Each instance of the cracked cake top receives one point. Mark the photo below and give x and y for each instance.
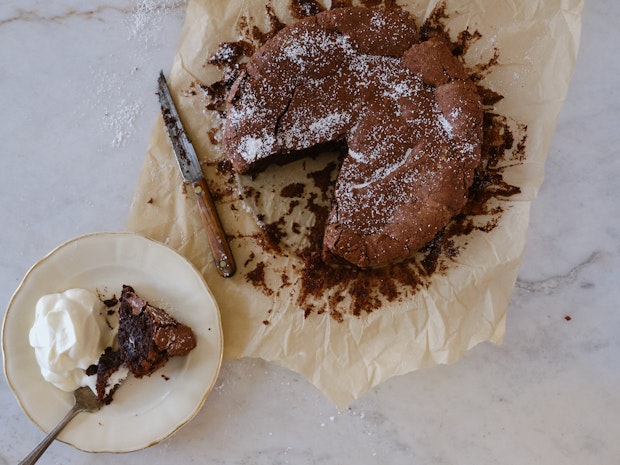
(410, 119)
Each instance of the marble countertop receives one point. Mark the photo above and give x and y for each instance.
(77, 105)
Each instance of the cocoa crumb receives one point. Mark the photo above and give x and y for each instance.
(257, 278)
(91, 370)
(230, 52)
(250, 258)
(293, 190)
(212, 134)
(303, 8)
(488, 96)
(111, 302)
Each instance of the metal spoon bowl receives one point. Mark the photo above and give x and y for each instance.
(85, 401)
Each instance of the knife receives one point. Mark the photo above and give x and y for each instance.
(192, 173)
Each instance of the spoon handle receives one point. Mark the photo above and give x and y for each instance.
(37, 452)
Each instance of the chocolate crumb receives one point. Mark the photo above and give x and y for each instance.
(231, 52)
(91, 370)
(111, 302)
(293, 190)
(303, 8)
(257, 278)
(250, 258)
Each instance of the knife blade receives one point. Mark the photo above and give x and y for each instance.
(192, 173)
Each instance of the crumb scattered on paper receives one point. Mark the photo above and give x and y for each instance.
(439, 322)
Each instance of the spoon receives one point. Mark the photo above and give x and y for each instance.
(85, 401)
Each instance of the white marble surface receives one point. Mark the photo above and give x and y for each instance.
(77, 105)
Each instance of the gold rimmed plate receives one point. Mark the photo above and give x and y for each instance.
(144, 411)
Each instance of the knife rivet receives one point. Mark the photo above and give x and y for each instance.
(198, 190)
(223, 264)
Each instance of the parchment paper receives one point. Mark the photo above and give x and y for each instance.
(538, 43)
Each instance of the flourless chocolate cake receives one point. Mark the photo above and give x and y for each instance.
(409, 115)
(148, 336)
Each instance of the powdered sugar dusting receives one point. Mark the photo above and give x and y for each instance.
(378, 20)
(309, 48)
(255, 148)
(380, 173)
(445, 124)
(321, 127)
(122, 121)
(148, 16)
(146, 28)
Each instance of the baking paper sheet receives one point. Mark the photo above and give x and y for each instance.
(537, 42)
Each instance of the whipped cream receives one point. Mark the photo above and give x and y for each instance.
(69, 334)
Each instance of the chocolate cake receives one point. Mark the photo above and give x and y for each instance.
(406, 110)
(148, 336)
(106, 370)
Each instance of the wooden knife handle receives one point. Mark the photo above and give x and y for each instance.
(222, 255)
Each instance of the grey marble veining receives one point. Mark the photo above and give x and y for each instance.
(77, 101)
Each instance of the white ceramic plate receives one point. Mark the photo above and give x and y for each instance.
(144, 411)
